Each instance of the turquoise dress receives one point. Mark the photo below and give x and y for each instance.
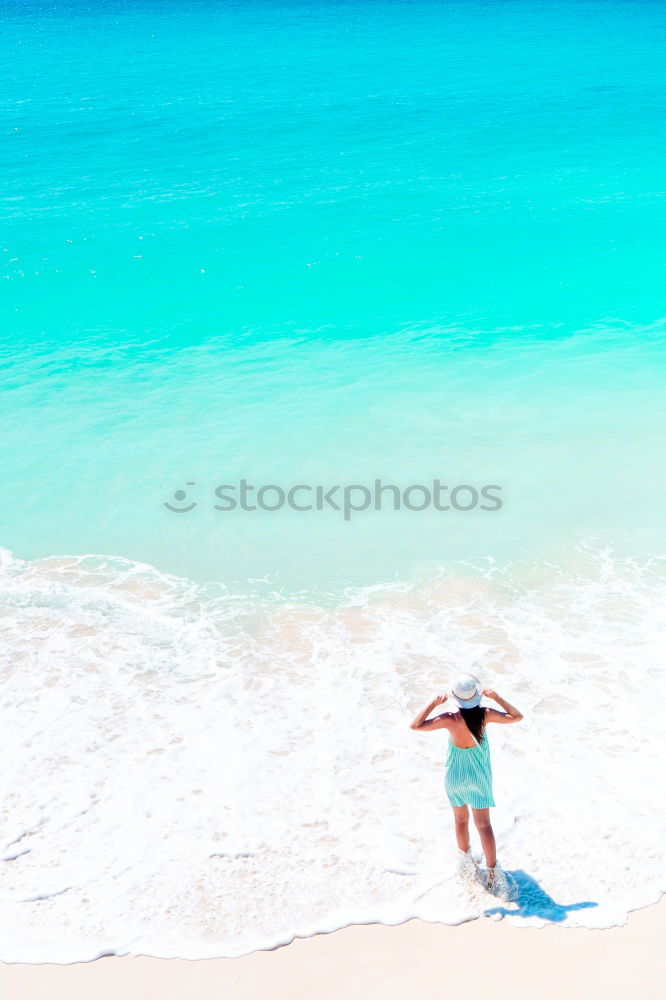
(468, 778)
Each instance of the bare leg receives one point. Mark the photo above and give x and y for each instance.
(461, 816)
(482, 824)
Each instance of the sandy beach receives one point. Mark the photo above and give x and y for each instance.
(490, 958)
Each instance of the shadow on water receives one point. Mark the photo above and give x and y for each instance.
(532, 901)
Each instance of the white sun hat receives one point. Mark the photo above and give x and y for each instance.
(467, 690)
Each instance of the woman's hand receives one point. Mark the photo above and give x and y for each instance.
(489, 693)
(440, 699)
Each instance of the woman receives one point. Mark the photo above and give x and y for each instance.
(468, 779)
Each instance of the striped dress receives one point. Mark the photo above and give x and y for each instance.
(468, 778)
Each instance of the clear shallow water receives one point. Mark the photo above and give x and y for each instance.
(321, 243)
(568, 428)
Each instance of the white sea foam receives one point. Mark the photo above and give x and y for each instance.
(190, 773)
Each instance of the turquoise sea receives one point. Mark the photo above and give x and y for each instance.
(321, 243)
(329, 242)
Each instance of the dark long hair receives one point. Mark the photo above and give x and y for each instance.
(475, 720)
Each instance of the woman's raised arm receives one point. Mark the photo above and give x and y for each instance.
(492, 715)
(439, 723)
